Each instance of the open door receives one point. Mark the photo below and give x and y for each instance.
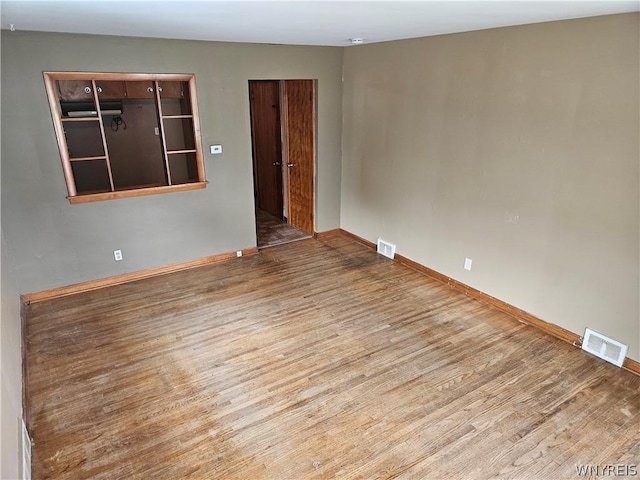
(300, 129)
(283, 129)
(267, 146)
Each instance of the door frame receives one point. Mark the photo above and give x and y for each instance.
(284, 142)
(313, 147)
(264, 174)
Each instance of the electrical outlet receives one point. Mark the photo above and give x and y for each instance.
(467, 263)
(117, 254)
(511, 217)
(239, 253)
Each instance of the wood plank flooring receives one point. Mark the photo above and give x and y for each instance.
(313, 360)
(272, 231)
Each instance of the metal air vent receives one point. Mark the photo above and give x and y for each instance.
(387, 249)
(604, 347)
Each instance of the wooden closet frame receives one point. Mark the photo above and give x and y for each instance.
(57, 117)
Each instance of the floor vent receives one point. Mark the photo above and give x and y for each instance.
(26, 453)
(604, 347)
(387, 249)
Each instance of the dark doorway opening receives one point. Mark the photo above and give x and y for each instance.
(283, 145)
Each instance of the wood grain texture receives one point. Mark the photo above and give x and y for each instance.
(631, 365)
(521, 315)
(197, 135)
(96, 102)
(129, 277)
(271, 231)
(313, 360)
(266, 145)
(168, 77)
(56, 114)
(113, 83)
(301, 150)
(326, 234)
(138, 192)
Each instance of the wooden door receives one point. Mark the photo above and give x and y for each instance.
(267, 145)
(300, 151)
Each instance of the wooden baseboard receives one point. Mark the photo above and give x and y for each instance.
(360, 240)
(128, 277)
(631, 365)
(520, 315)
(327, 234)
(26, 407)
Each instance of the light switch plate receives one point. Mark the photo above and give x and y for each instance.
(215, 149)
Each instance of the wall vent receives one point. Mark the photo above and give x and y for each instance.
(387, 249)
(604, 347)
(26, 452)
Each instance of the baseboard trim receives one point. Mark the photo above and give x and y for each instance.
(129, 277)
(631, 365)
(358, 239)
(327, 234)
(520, 315)
(26, 408)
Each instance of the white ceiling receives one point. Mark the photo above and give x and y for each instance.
(298, 22)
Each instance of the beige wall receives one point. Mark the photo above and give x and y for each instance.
(11, 372)
(49, 243)
(57, 244)
(516, 147)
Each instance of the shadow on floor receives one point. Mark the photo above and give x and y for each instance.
(272, 231)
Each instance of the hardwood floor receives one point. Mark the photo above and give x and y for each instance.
(313, 360)
(272, 231)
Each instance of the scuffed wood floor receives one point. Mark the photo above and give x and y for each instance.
(313, 360)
